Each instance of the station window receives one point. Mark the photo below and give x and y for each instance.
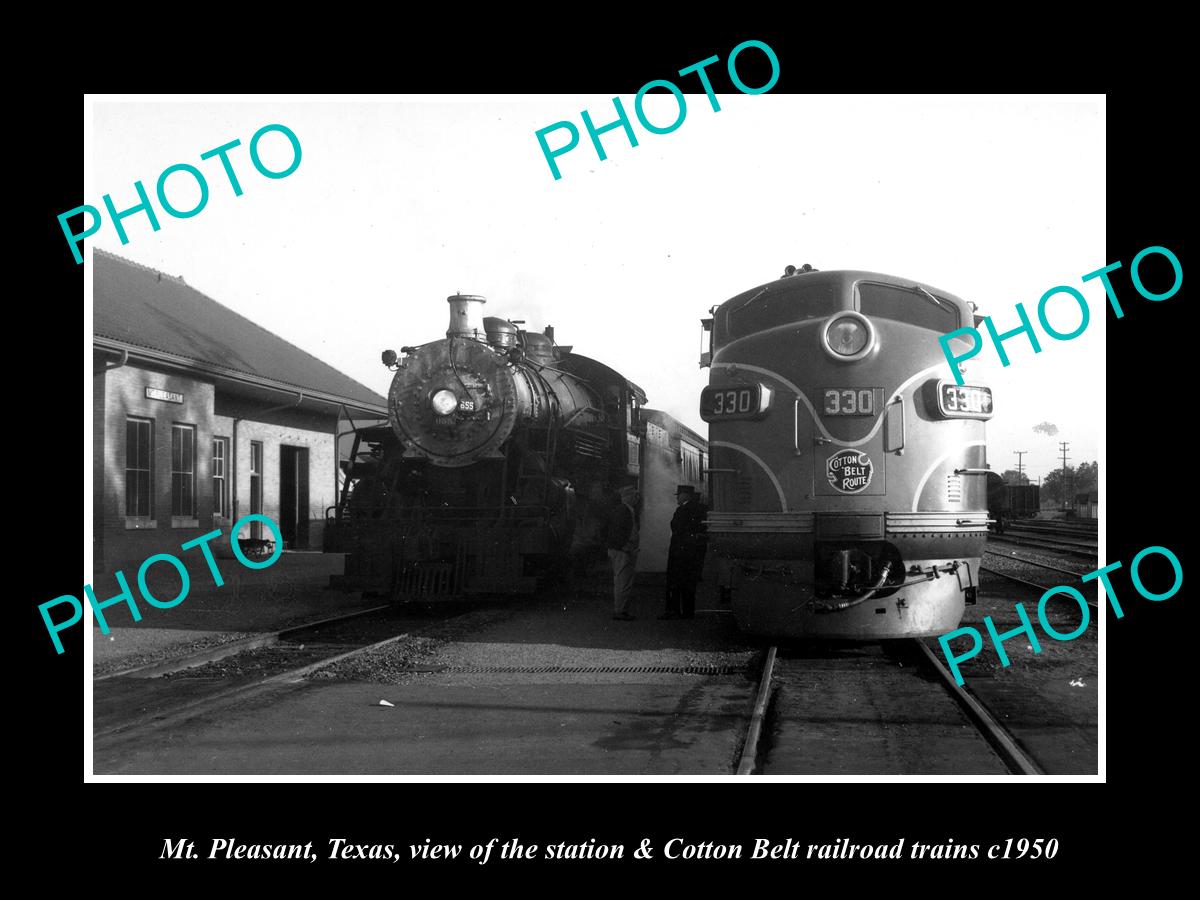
(220, 476)
(183, 471)
(139, 468)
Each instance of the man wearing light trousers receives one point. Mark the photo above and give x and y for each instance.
(623, 550)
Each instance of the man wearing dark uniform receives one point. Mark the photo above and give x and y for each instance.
(685, 558)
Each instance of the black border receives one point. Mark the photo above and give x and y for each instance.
(123, 825)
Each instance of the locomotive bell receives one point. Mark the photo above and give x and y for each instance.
(466, 316)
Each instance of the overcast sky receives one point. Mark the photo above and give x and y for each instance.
(398, 203)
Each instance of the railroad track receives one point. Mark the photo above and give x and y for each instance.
(221, 651)
(874, 712)
(1072, 548)
(1066, 537)
(306, 649)
(1039, 588)
(1054, 528)
(1012, 557)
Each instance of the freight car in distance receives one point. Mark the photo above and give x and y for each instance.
(1010, 501)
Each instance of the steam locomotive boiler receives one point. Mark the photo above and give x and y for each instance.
(848, 465)
(498, 443)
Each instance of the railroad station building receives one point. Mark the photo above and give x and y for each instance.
(200, 417)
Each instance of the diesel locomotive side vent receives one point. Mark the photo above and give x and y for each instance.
(954, 489)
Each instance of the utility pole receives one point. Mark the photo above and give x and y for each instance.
(1064, 447)
(1020, 465)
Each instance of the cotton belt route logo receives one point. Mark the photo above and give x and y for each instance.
(849, 471)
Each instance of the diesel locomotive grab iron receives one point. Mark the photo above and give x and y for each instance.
(849, 492)
(499, 443)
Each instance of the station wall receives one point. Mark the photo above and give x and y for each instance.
(159, 480)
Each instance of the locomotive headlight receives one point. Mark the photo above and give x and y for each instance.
(848, 336)
(444, 402)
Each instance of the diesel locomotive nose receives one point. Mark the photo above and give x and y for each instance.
(847, 502)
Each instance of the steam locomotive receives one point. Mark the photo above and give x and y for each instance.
(501, 450)
(849, 495)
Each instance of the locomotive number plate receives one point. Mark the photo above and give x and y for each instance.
(964, 401)
(849, 402)
(742, 401)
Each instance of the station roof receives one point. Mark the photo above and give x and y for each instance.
(162, 318)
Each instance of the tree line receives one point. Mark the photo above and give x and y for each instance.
(1057, 486)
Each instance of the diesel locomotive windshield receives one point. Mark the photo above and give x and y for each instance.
(780, 306)
(904, 305)
(774, 306)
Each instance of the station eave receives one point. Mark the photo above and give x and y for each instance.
(233, 377)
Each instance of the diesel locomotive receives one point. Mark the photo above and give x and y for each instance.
(501, 451)
(848, 469)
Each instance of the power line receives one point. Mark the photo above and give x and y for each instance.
(1020, 464)
(1064, 447)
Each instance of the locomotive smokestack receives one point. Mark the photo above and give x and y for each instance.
(466, 316)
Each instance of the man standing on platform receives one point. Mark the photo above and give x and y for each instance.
(623, 550)
(685, 559)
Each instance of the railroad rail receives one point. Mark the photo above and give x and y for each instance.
(318, 654)
(1072, 548)
(750, 747)
(1049, 525)
(1017, 761)
(1040, 588)
(221, 651)
(1012, 557)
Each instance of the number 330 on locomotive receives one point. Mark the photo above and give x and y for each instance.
(740, 402)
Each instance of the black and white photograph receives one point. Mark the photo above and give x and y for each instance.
(700, 433)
